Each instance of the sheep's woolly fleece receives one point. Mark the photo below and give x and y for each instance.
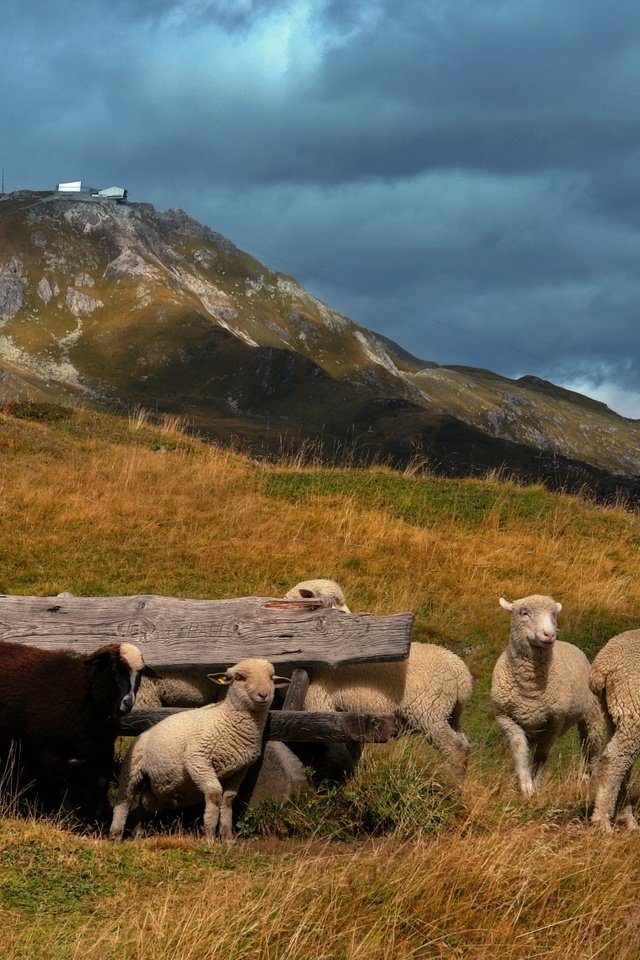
(131, 656)
(615, 679)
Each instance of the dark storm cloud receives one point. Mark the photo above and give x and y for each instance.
(463, 177)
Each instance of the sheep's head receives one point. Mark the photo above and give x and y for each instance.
(533, 619)
(117, 668)
(251, 683)
(319, 589)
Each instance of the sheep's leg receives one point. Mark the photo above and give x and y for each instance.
(229, 793)
(613, 770)
(212, 801)
(129, 788)
(590, 730)
(127, 797)
(205, 779)
(624, 810)
(453, 746)
(541, 749)
(519, 746)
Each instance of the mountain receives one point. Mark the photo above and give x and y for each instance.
(118, 304)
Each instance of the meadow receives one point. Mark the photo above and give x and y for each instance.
(395, 863)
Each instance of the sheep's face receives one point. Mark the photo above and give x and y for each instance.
(534, 619)
(252, 683)
(120, 666)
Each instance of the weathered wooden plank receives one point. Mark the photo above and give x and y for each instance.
(209, 633)
(296, 726)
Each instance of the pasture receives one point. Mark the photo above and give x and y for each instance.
(394, 863)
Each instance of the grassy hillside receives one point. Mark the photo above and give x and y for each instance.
(394, 864)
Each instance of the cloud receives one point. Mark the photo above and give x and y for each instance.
(461, 177)
(623, 400)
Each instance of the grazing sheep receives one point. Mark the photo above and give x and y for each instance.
(60, 711)
(324, 589)
(615, 679)
(540, 688)
(201, 753)
(426, 693)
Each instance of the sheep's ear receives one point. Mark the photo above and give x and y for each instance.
(281, 681)
(306, 593)
(148, 671)
(506, 605)
(222, 678)
(558, 607)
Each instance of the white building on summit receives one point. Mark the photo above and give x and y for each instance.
(108, 193)
(111, 193)
(72, 186)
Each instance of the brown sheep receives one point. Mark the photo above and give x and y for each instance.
(59, 717)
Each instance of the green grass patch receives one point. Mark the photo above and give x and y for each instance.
(398, 789)
(425, 501)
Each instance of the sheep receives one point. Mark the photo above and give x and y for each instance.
(615, 679)
(198, 753)
(177, 688)
(323, 589)
(190, 688)
(540, 688)
(60, 711)
(426, 693)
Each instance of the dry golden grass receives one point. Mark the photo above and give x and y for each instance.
(504, 883)
(211, 506)
(100, 506)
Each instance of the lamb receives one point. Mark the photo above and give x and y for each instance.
(191, 688)
(60, 711)
(540, 688)
(615, 679)
(427, 692)
(199, 753)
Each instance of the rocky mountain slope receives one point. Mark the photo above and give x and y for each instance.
(120, 304)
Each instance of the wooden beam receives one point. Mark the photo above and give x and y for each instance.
(297, 690)
(211, 634)
(295, 726)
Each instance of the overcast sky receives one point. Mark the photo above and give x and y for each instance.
(460, 175)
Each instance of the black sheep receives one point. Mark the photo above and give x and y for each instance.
(59, 717)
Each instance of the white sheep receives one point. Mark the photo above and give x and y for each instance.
(324, 589)
(540, 688)
(176, 688)
(426, 693)
(201, 753)
(615, 679)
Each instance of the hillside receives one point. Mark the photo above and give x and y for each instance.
(394, 864)
(118, 305)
